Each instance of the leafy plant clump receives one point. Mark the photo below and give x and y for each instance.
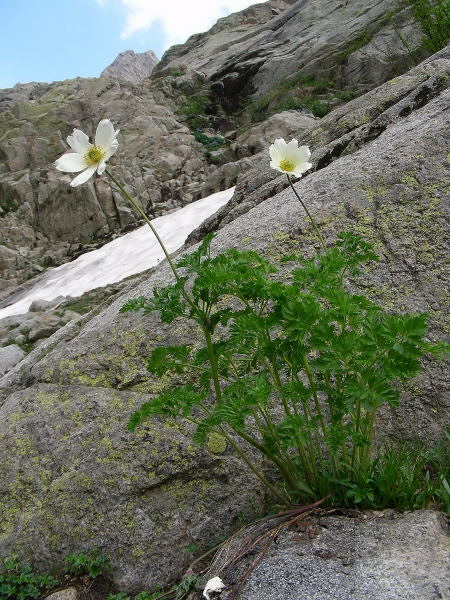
(433, 17)
(301, 91)
(20, 582)
(211, 142)
(197, 109)
(93, 564)
(296, 370)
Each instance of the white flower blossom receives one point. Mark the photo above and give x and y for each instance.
(213, 586)
(289, 158)
(87, 157)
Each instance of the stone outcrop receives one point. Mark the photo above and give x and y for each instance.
(354, 44)
(143, 499)
(131, 66)
(373, 556)
(43, 220)
(73, 477)
(341, 132)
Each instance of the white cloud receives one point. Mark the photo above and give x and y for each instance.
(179, 18)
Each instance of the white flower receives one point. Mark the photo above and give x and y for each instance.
(88, 157)
(289, 158)
(214, 585)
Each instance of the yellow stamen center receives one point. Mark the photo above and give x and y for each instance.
(287, 165)
(94, 156)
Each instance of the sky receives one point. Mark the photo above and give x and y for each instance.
(51, 40)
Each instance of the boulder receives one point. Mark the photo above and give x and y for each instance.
(9, 357)
(46, 325)
(44, 305)
(67, 594)
(374, 556)
(144, 500)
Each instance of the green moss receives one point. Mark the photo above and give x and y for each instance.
(409, 180)
(216, 443)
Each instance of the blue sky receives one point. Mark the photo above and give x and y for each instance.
(50, 40)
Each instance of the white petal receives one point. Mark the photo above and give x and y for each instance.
(83, 177)
(78, 141)
(105, 134)
(302, 154)
(302, 168)
(101, 167)
(274, 153)
(276, 166)
(72, 162)
(306, 151)
(280, 146)
(293, 144)
(112, 149)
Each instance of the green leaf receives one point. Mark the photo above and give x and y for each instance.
(174, 403)
(168, 358)
(193, 261)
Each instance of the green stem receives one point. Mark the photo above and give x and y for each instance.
(284, 499)
(355, 453)
(212, 361)
(314, 393)
(319, 235)
(370, 429)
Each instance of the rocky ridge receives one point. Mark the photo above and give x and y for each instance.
(45, 223)
(88, 482)
(71, 476)
(131, 66)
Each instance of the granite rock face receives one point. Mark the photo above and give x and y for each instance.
(90, 482)
(131, 66)
(378, 556)
(142, 499)
(356, 42)
(341, 132)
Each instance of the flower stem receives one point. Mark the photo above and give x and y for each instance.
(319, 235)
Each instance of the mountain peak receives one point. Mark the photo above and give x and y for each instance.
(131, 66)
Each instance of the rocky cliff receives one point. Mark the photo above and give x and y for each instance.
(132, 66)
(71, 476)
(187, 131)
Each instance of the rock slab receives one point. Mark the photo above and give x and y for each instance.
(384, 557)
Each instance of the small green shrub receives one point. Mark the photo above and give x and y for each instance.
(185, 586)
(81, 306)
(20, 582)
(93, 564)
(300, 373)
(406, 477)
(196, 109)
(433, 17)
(211, 143)
(118, 596)
(300, 91)
(147, 596)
